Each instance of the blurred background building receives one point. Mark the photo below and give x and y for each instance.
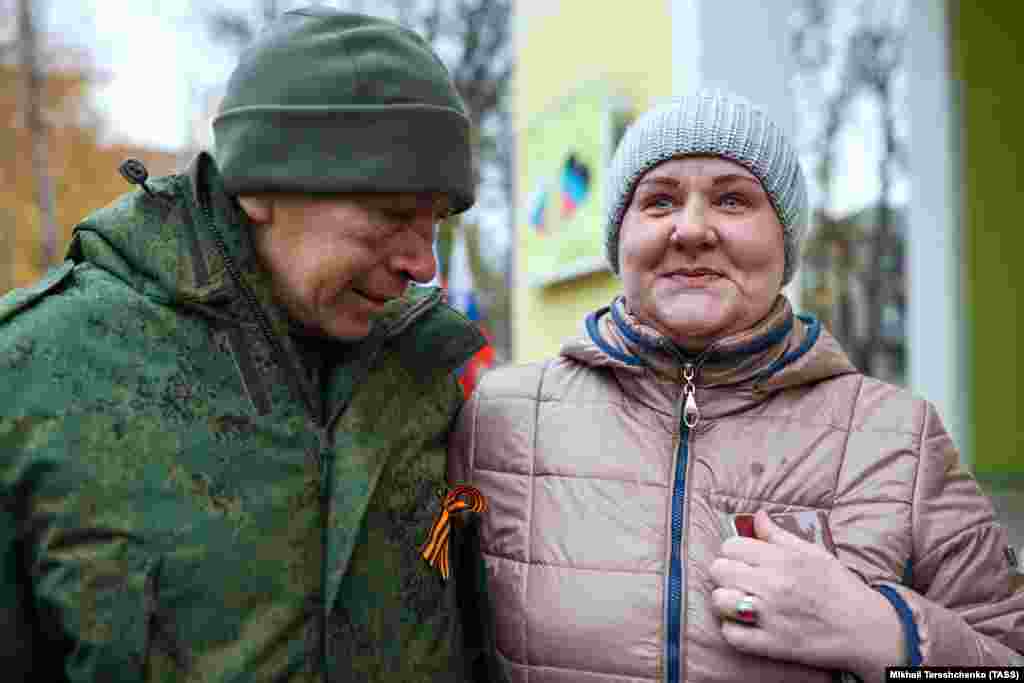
(907, 127)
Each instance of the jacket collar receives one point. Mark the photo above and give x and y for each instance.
(781, 350)
(728, 361)
(224, 241)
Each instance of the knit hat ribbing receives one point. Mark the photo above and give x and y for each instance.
(715, 124)
(330, 102)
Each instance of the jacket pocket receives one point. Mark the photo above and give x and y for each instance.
(162, 651)
(102, 612)
(123, 631)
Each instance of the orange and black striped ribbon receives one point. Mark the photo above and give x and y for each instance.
(435, 550)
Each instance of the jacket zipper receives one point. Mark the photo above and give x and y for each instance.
(319, 412)
(279, 352)
(326, 484)
(689, 418)
(324, 458)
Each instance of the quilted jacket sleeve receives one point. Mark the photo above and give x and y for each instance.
(460, 447)
(958, 594)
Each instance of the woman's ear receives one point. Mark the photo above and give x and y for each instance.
(259, 210)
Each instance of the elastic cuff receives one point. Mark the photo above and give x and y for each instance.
(913, 638)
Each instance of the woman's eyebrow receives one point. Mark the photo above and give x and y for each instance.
(717, 180)
(732, 177)
(658, 180)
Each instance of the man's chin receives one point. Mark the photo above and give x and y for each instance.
(348, 329)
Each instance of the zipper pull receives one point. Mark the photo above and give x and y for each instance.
(691, 413)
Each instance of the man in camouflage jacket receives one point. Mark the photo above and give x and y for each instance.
(220, 447)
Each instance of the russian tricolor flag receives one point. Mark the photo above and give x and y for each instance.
(538, 207)
(575, 185)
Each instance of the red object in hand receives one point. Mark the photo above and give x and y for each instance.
(744, 525)
(747, 615)
(810, 525)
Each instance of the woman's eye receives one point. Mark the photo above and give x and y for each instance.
(731, 201)
(660, 202)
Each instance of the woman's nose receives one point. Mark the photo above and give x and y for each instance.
(692, 227)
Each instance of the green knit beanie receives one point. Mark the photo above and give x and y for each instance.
(328, 102)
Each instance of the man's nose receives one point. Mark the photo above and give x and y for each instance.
(415, 256)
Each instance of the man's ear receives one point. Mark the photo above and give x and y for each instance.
(259, 210)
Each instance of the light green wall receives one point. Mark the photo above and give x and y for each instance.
(561, 43)
(987, 56)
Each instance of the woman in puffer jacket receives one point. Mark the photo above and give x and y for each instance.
(636, 481)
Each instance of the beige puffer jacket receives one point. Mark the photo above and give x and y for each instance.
(597, 488)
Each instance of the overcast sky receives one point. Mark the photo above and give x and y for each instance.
(159, 62)
(155, 53)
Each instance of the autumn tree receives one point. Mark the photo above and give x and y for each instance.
(32, 119)
(82, 171)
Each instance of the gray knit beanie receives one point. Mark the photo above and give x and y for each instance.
(715, 124)
(326, 101)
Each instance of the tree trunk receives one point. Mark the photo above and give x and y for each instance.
(881, 237)
(6, 251)
(36, 126)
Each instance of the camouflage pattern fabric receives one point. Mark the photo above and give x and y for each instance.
(188, 494)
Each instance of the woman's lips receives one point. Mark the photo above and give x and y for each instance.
(694, 278)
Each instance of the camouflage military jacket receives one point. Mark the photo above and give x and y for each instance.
(185, 495)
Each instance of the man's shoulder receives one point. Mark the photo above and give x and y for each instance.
(21, 299)
(64, 297)
(71, 324)
(137, 207)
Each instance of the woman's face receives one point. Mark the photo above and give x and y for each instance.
(700, 250)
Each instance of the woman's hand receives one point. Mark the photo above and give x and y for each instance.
(810, 608)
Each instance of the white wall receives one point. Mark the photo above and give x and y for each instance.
(934, 326)
(740, 46)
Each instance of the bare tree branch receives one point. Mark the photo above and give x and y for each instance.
(239, 28)
(867, 63)
(432, 25)
(404, 11)
(231, 27)
(34, 83)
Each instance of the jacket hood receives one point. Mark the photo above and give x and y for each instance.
(170, 244)
(782, 350)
